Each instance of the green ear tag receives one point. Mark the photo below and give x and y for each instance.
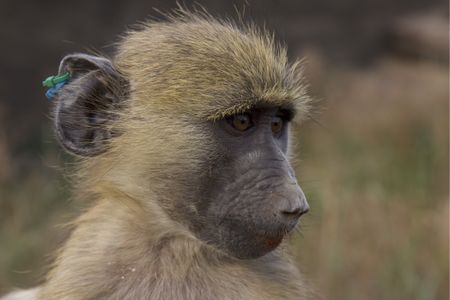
(52, 81)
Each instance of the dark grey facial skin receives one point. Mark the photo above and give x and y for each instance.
(252, 198)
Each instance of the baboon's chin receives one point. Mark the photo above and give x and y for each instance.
(252, 243)
(256, 248)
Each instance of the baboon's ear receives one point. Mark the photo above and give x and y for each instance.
(88, 104)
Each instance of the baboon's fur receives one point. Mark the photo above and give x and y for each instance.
(182, 72)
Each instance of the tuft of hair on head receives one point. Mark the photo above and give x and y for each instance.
(209, 68)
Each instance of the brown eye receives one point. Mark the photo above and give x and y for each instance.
(277, 125)
(241, 122)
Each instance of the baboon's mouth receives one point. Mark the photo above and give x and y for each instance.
(272, 243)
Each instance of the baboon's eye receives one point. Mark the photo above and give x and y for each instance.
(276, 124)
(241, 122)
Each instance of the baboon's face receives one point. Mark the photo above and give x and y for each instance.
(229, 180)
(251, 200)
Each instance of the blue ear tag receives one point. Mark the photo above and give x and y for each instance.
(51, 92)
(55, 83)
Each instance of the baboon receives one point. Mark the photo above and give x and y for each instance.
(183, 147)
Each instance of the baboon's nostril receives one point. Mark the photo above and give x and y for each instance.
(292, 203)
(295, 212)
(292, 212)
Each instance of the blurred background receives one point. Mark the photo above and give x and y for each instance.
(373, 162)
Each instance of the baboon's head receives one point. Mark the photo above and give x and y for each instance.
(191, 119)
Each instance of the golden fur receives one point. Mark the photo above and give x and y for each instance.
(182, 71)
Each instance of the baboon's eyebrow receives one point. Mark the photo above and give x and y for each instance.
(289, 112)
(287, 107)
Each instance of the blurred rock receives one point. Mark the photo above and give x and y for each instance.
(421, 37)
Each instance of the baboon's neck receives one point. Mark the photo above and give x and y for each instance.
(111, 255)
